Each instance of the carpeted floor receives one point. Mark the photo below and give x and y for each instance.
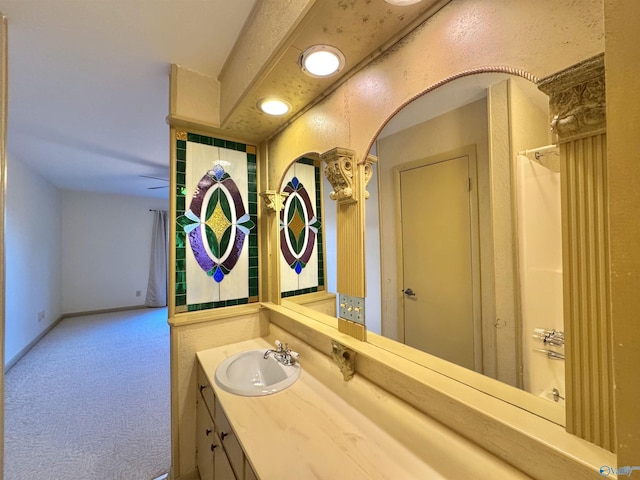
(91, 401)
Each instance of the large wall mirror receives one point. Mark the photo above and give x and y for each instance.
(469, 228)
(464, 269)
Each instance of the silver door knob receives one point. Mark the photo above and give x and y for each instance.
(409, 292)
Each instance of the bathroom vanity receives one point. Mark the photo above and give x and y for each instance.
(313, 430)
(220, 455)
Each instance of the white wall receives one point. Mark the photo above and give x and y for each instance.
(373, 300)
(329, 221)
(33, 236)
(105, 250)
(540, 265)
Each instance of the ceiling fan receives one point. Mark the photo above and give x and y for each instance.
(156, 178)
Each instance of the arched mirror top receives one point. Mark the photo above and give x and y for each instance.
(287, 167)
(472, 75)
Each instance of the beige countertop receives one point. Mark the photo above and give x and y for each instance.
(324, 428)
(309, 432)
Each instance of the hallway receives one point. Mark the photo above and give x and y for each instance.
(91, 400)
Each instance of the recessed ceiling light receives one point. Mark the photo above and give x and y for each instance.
(321, 61)
(402, 3)
(274, 106)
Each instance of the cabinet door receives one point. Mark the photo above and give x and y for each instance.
(222, 467)
(249, 474)
(206, 391)
(229, 441)
(206, 442)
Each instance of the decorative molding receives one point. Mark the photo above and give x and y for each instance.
(345, 358)
(273, 199)
(347, 179)
(368, 171)
(339, 170)
(353, 329)
(181, 135)
(350, 252)
(587, 290)
(465, 73)
(577, 99)
(577, 104)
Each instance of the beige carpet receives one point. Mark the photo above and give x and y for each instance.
(91, 401)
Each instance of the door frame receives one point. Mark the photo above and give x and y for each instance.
(470, 152)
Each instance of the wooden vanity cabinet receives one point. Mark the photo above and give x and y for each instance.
(249, 474)
(205, 442)
(219, 455)
(229, 440)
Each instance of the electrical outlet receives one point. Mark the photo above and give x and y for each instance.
(138, 293)
(41, 315)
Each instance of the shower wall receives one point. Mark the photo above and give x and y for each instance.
(540, 271)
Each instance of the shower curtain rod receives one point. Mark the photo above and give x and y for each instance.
(539, 152)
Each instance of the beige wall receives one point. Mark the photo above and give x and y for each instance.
(538, 37)
(188, 336)
(622, 63)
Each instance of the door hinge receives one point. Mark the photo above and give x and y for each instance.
(468, 184)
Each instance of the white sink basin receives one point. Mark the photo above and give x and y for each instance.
(251, 375)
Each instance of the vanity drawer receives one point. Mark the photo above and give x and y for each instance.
(206, 391)
(229, 441)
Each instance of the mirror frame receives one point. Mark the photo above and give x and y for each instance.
(525, 40)
(512, 395)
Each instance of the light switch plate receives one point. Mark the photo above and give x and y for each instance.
(351, 308)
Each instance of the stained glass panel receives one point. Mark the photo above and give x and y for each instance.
(216, 224)
(301, 247)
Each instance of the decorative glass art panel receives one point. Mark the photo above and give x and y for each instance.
(216, 223)
(301, 247)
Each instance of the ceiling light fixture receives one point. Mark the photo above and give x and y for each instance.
(321, 61)
(274, 106)
(402, 3)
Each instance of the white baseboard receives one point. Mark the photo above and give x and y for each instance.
(32, 343)
(104, 310)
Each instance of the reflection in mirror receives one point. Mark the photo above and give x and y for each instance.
(468, 225)
(307, 238)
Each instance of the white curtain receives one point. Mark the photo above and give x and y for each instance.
(157, 287)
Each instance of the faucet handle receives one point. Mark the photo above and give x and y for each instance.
(294, 355)
(278, 345)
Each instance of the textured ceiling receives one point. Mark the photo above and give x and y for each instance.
(361, 29)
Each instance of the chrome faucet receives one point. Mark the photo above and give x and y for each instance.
(282, 354)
